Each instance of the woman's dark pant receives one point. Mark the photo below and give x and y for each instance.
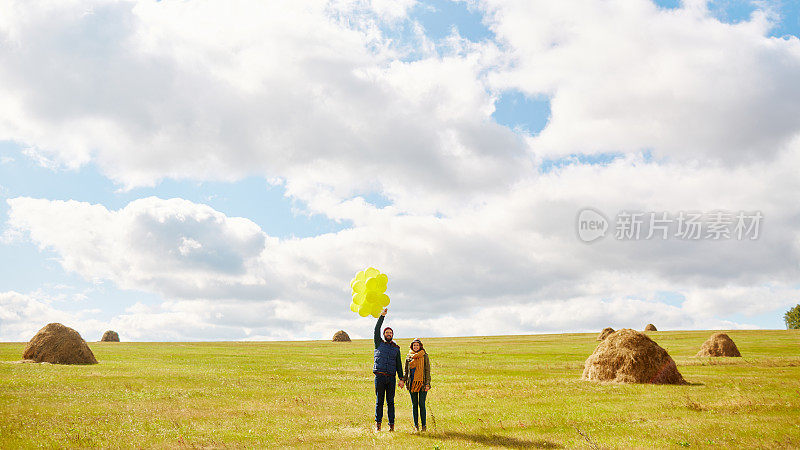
(384, 386)
(418, 401)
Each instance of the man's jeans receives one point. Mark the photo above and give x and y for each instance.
(384, 386)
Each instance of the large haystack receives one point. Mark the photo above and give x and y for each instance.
(341, 336)
(604, 334)
(629, 356)
(110, 336)
(58, 344)
(650, 327)
(719, 344)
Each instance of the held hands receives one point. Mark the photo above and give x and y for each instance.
(427, 388)
(384, 311)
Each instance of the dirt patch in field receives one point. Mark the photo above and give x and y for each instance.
(110, 336)
(719, 344)
(629, 356)
(341, 336)
(650, 327)
(58, 344)
(604, 334)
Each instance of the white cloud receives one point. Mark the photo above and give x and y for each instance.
(315, 94)
(309, 92)
(626, 76)
(22, 315)
(174, 247)
(516, 255)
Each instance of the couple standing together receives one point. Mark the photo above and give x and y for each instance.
(387, 363)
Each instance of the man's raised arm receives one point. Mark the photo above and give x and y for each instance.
(378, 337)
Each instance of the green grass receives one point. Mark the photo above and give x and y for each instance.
(509, 391)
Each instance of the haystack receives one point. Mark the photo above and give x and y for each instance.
(110, 336)
(650, 327)
(604, 334)
(719, 344)
(341, 336)
(629, 356)
(58, 344)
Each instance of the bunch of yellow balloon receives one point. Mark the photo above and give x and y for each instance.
(369, 287)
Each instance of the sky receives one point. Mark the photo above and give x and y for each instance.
(197, 170)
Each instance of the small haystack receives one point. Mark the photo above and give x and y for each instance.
(110, 336)
(650, 327)
(341, 336)
(719, 344)
(58, 344)
(604, 334)
(629, 356)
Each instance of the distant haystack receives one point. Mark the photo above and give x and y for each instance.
(58, 344)
(650, 327)
(110, 336)
(629, 356)
(341, 336)
(719, 344)
(604, 334)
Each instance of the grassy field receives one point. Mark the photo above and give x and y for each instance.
(510, 391)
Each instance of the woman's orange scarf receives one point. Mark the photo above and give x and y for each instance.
(416, 366)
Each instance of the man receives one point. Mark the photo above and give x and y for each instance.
(387, 363)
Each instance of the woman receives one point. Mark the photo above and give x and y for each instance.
(418, 380)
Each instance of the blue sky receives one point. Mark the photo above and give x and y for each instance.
(30, 269)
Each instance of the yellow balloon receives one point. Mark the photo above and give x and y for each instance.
(373, 284)
(382, 281)
(368, 292)
(372, 297)
(358, 298)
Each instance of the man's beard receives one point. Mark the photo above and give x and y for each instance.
(388, 338)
